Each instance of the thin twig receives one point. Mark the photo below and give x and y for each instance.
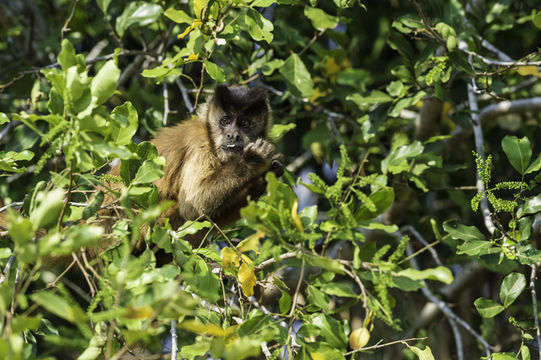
(53, 283)
(264, 264)
(317, 34)
(165, 102)
(352, 274)
(201, 85)
(17, 204)
(294, 305)
(65, 28)
(534, 304)
(174, 346)
(427, 246)
(445, 309)
(427, 26)
(184, 94)
(458, 340)
(380, 345)
(68, 196)
(89, 281)
(7, 269)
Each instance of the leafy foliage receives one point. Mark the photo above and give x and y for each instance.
(371, 100)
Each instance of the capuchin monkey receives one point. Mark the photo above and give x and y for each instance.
(217, 160)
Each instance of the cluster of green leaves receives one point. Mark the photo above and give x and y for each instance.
(510, 245)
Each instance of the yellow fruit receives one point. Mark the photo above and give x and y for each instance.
(359, 338)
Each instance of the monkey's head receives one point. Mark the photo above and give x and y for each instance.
(236, 117)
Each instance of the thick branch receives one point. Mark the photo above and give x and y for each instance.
(512, 106)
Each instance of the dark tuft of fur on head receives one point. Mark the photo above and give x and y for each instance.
(241, 99)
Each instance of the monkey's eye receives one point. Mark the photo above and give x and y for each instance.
(226, 120)
(243, 123)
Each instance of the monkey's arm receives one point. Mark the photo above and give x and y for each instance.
(225, 189)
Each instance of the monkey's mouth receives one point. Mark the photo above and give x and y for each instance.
(235, 148)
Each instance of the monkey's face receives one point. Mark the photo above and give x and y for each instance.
(237, 117)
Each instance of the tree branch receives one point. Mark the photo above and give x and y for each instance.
(534, 304)
(511, 106)
(479, 145)
(379, 345)
(446, 310)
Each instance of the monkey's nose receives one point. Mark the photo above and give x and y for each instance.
(234, 137)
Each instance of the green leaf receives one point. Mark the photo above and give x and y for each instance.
(158, 71)
(129, 168)
(338, 289)
(332, 331)
(270, 66)
(297, 76)
(178, 16)
(320, 19)
(104, 83)
(531, 206)
(317, 298)
(475, 248)
(94, 205)
(103, 4)
(322, 350)
(396, 161)
(94, 348)
(150, 170)
(242, 348)
(258, 27)
(20, 229)
(459, 231)
(66, 57)
(3, 118)
(534, 166)
(518, 151)
(278, 130)
(284, 302)
(374, 97)
(324, 263)
(215, 71)
(126, 119)
(382, 199)
(376, 225)
(137, 12)
(59, 306)
(537, 20)
(8, 160)
(204, 282)
(512, 287)
(440, 273)
(112, 151)
(488, 308)
(425, 354)
(503, 356)
(23, 322)
(47, 213)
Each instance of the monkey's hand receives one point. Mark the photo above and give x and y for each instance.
(259, 155)
(277, 165)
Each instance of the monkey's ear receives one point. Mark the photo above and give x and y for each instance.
(222, 96)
